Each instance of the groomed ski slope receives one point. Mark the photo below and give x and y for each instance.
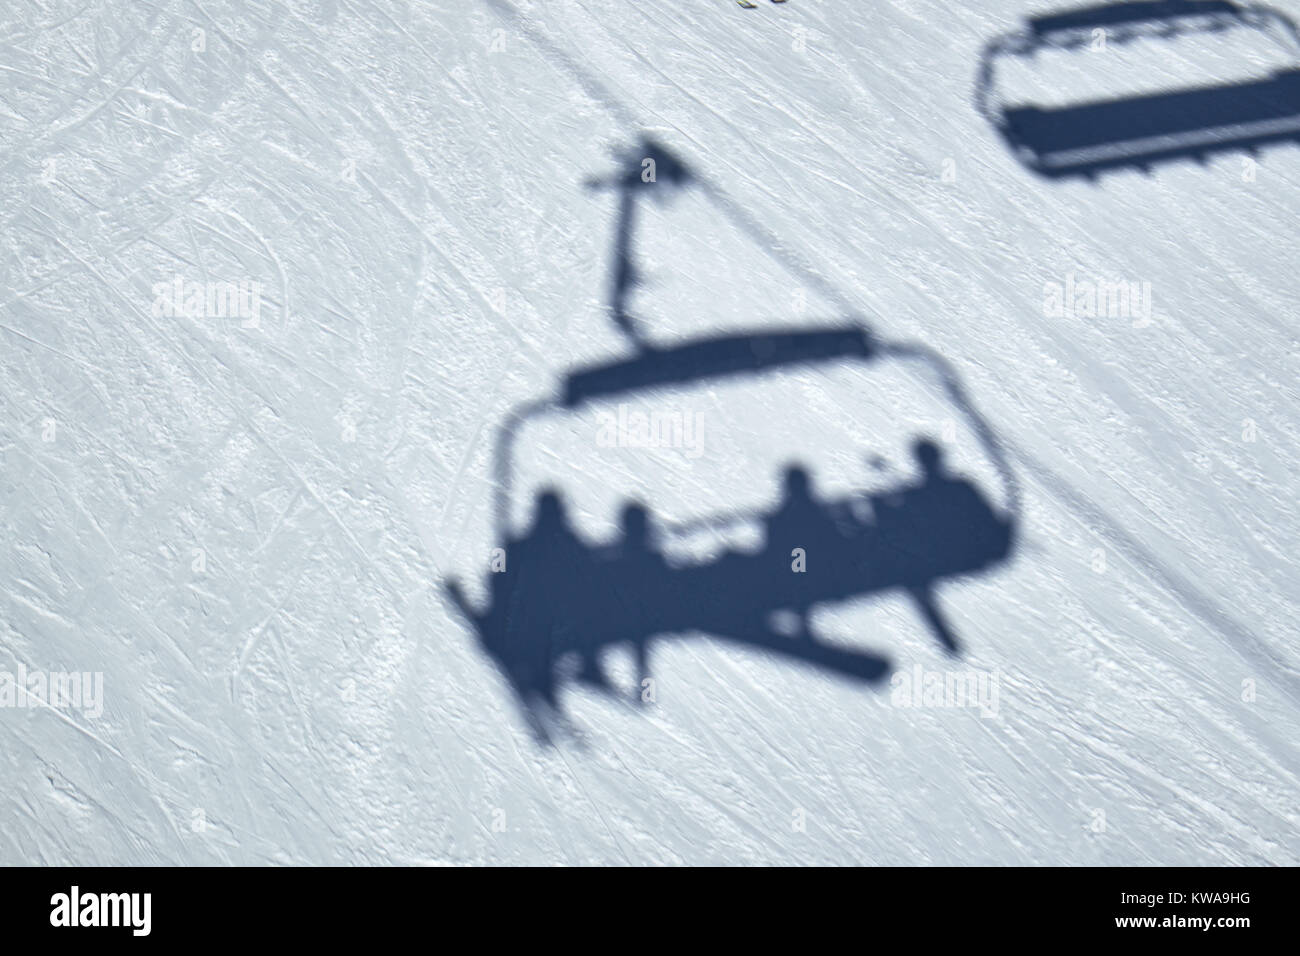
(247, 529)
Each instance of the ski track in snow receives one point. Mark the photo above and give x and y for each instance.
(405, 180)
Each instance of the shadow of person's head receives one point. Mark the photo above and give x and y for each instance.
(929, 456)
(635, 525)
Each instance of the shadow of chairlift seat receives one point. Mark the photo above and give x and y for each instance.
(715, 358)
(1138, 132)
(1122, 15)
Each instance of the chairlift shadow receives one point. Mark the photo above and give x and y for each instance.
(560, 599)
(1140, 132)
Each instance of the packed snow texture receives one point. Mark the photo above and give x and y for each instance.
(246, 523)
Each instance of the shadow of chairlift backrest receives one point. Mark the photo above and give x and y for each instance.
(559, 598)
(1139, 132)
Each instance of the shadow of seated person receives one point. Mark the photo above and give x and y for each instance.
(632, 591)
(940, 527)
(807, 556)
(537, 602)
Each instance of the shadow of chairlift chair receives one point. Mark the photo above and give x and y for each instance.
(1139, 132)
(987, 539)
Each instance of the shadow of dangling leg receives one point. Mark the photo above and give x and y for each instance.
(925, 603)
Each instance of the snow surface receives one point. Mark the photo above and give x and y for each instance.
(247, 529)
